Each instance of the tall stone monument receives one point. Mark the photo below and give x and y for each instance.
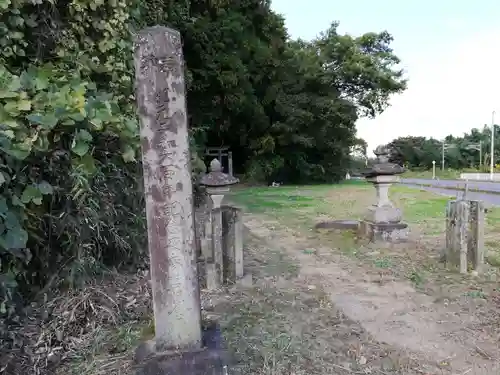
(383, 220)
(178, 347)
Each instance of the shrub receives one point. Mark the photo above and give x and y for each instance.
(71, 187)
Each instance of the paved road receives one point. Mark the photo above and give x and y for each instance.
(490, 199)
(473, 185)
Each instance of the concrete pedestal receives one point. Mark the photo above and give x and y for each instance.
(200, 362)
(382, 220)
(383, 214)
(211, 359)
(385, 232)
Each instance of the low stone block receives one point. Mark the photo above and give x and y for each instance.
(383, 232)
(211, 359)
(383, 214)
(245, 281)
(196, 362)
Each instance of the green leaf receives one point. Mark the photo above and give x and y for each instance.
(48, 121)
(24, 105)
(45, 188)
(80, 147)
(14, 84)
(18, 153)
(16, 238)
(11, 123)
(31, 193)
(8, 133)
(11, 107)
(11, 221)
(84, 136)
(2, 179)
(77, 117)
(16, 201)
(42, 80)
(103, 115)
(97, 123)
(128, 154)
(17, 35)
(68, 122)
(6, 94)
(131, 125)
(27, 79)
(4, 4)
(88, 163)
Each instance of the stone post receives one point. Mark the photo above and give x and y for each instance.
(218, 261)
(465, 234)
(232, 222)
(478, 234)
(463, 214)
(160, 92)
(230, 163)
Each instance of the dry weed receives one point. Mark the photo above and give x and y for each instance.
(75, 325)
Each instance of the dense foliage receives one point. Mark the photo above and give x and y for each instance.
(470, 151)
(70, 179)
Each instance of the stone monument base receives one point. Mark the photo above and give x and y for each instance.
(196, 362)
(383, 214)
(211, 359)
(383, 232)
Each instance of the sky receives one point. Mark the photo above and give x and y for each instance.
(449, 51)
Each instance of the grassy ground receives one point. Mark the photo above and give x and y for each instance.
(298, 209)
(292, 212)
(447, 174)
(302, 207)
(285, 323)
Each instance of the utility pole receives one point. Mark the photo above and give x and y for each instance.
(477, 147)
(492, 144)
(442, 157)
(445, 146)
(480, 155)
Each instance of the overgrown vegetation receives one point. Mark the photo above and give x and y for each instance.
(70, 201)
(71, 187)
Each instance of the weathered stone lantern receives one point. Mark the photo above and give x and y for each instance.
(383, 219)
(217, 184)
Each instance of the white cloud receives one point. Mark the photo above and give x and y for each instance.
(452, 89)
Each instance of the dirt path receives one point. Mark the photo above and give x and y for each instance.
(393, 312)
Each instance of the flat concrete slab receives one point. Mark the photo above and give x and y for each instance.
(338, 224)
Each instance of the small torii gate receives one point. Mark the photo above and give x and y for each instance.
(219, 152)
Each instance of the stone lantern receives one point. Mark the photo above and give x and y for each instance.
(383, 220)
(217, 184)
